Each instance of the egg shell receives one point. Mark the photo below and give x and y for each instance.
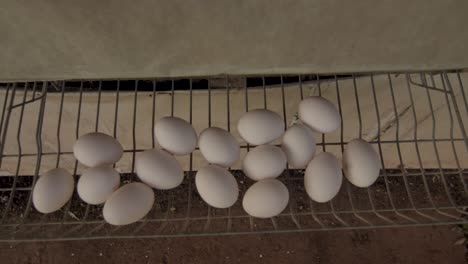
(266, 198)
(219, 147)
(263, 162)
(298, 145)
(97, 184)
(260, 126)
(96, 149)
(128, 204)
(323, 177)
(158, 169)
(319, 114)
(361, 163)
(175, 135)
(216, 186)
(53, 190)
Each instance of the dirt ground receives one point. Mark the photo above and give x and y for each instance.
(405, 245)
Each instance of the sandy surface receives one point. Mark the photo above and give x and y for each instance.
(405, 245)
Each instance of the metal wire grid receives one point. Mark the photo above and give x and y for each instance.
(400, 197)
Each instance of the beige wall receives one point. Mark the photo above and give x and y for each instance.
(153, 38)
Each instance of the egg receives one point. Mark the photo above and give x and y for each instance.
(298, 145)
(53, 190)
(216, 186)
(158, 169)
(95, 149)
(361, 164)
(128, 204)
(319, 114)
(175, 135)
(266, 198)
(260, 126)
(323, 177)
(219, 147)
(265, 161)
(97, 184)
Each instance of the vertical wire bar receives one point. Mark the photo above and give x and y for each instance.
(18, 165)
(311, 204)
(172, 97)
(68, 206)
(75, 169)
(387, 187)
(135, 102)
(5, 102)
(169, 203)
(265, 93)
(332, 207)
(98, 105)
(460, 83)
(77, 134)
(452, 141)
(190, 174)
(369, 193)
(358, 109)
(301, 93)
(116, 112)
(436, 150)
(455, 107)
(59, 125)
(43, 217)
(228, 118)
(39, 149)
(301, 90)
(208, 214)
(7, 121)
(358, 106)
(153, 143)
(251, 221)
(400, 156)
(418, 152)
(291, 200)
(34, 89)
(348, 187)
(443, 176)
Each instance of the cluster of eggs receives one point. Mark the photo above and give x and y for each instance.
(158, 168)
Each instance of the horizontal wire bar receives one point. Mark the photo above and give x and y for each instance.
(247, 146)
(234, 216)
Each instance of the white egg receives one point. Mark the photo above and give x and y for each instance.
(219, 147)
(175, 135)
(95, 149)
(266, 198)
(53, 190)
(97, 184)
(158, 169)
(323, 177)
(361, 163)
(298, 145)
(265, 161)
(319, 114)
(216, 186)
(260, 126)
(128, 204)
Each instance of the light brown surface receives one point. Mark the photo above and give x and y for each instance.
(389, 117)
(121, 39)
(426, 245)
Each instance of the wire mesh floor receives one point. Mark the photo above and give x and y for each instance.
(415, 122)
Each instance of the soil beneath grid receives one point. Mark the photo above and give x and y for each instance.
(405, 245)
